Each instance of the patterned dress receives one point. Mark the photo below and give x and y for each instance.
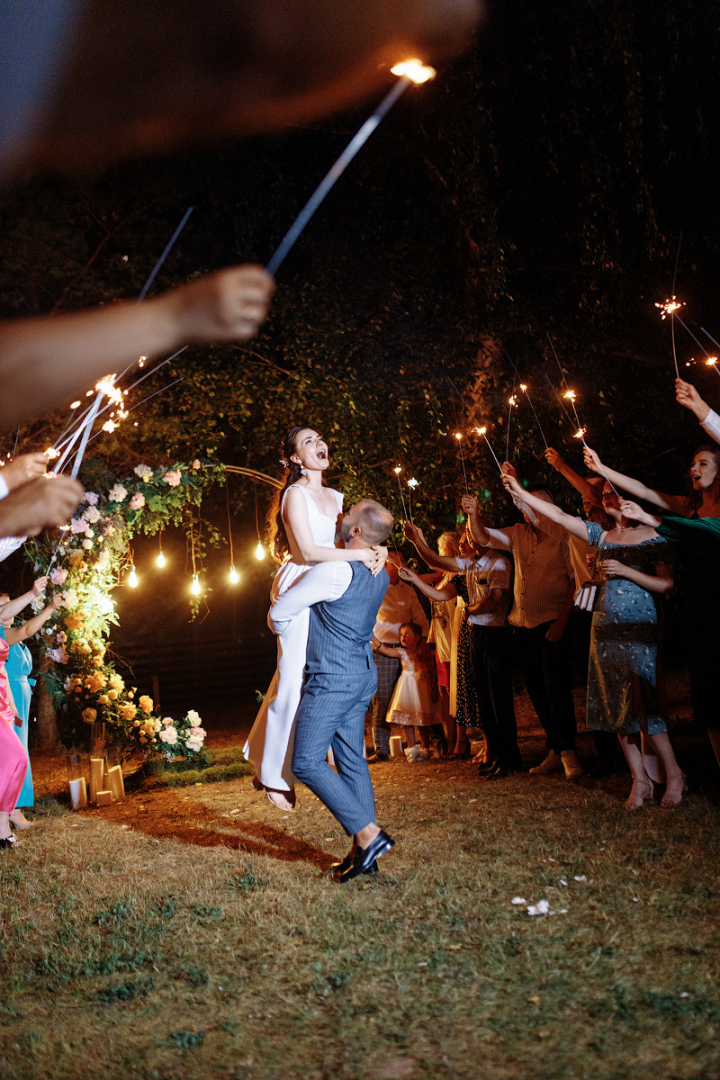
(624, 641)
(468, 710)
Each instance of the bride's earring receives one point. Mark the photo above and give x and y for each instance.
(303, 470)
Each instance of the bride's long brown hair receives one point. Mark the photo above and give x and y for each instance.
(277, 537)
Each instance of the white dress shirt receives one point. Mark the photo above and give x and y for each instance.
(490, 571)
(400, 605)
(711, 424)
(324, 581)
(8, 544)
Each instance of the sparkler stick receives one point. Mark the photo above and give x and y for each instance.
(458, 436)
(523, 387)
(86, 432)
(580, 434)
(570, 396)
(160, 391)
(710, 336)
(557, 359)
(482, 431)
(397, 470)
(412, 484)
(561, 403)
(166, 252)
(412, 71)
(511, 402)
(667, 310)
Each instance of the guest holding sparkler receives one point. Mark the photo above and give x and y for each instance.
(441, 633)
(17, 668)
(303, 522)
(400, 606)
(543, 598)
(699, 576)
(687, 395)
(580, 622)
(485, 578)
(622, 680)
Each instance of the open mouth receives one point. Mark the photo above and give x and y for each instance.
(322, 454)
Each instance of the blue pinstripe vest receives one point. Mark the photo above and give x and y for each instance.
(340, 630)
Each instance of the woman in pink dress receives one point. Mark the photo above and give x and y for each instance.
(13, 761)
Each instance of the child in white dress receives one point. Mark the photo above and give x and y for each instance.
(415, 702)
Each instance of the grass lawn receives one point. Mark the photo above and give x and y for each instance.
(194, 932)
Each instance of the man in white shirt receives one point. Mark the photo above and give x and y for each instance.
(543, 599)
(401, 605)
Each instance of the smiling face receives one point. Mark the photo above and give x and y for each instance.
(703, 471)
(311, 451)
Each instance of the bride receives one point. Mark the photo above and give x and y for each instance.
(303, 522)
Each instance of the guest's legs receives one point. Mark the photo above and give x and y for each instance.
(499, 674)
(556, 665)
(480, 661)
(642, 786)
(530, 652)
(388, 669)
(13, 765)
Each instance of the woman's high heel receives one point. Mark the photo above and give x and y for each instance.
(668, 803)
(7, 841)
(639, 792)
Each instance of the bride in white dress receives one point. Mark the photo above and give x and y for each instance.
(304, 522)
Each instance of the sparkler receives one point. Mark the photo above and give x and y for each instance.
(458, 436)
(580, 434)
(523, 387)
(669, 309)
(512, 402)
(411, 71)
(483, 431)
(570, 396)
(397, 470)
(412, 484)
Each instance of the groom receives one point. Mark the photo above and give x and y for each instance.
(340, 682)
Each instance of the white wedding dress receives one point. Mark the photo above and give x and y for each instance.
(270, 743)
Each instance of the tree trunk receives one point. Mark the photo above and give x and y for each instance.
(46, 718)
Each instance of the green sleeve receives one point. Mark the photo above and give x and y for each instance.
(690, 530)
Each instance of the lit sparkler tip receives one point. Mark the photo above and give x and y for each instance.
(413, 483)
(523, 386)
(669, 306)
(414, 70)
(711, 360)
(580, 433)
(51, 453)
(481, 430)
(570, 395)
(75, 405)
(397, 469)
(512, 400)
(458, 435)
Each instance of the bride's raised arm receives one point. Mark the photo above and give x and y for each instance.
(297, 524)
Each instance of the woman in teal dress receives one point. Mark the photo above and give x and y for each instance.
(622, 677)
(17, 668)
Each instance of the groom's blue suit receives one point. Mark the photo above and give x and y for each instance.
(340, 682)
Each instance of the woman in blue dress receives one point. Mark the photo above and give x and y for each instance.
(17, 668)
(622, 675)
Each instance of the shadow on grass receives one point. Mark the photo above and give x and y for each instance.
(162, 816)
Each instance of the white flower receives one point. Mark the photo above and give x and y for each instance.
(143, 471)
(58, 575)
(38, 603)
(117, 493)
(91, 498)
(70, 597)
(87, 544)
(78, 525)
(89, 533)
(172, 477)
(193, 718)
(169, 735)
(92, 514)
(137, 501)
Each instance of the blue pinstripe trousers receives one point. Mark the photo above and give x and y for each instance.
(332, 713)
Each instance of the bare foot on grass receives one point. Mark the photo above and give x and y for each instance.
(639, 792)
(674, 791)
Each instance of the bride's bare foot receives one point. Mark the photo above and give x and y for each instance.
(674, 791)
(281, 799)
(20, 821)
(639, 792)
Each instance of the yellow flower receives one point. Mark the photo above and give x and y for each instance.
(97, 661)
(127, 711)
(89, 715)
(117, 682)
(136, 723)
(75, 620)
(95, 682)
(146, 703)
(103, 699)
(112, 694)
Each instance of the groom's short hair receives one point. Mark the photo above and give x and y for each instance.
(375, 521)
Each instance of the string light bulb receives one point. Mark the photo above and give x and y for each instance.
(259, 552)
(161, 560)
(195, 587)
(132, 578)
(233, 576)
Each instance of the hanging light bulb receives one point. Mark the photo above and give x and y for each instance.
(132, 578)
(195, 587)
(259, 552)
(160, 561)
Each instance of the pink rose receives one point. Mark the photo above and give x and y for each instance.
(137, 501)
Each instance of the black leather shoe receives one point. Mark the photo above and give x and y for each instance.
(377, 757)
(363, 858)
(341, 867)
(499, 771)
(486, 766)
